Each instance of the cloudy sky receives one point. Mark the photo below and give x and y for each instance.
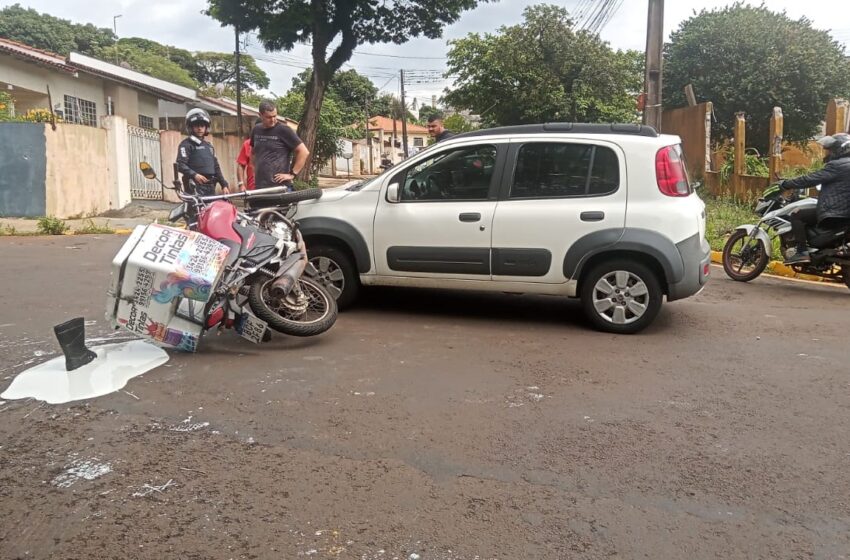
(182, 24)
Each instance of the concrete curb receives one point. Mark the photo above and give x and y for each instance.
(776, 268)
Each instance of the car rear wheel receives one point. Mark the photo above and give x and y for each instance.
(621, 296)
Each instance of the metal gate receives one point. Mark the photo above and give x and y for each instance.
(144, 146)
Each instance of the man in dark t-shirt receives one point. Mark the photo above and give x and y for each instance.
(436, 129)
(278, 155)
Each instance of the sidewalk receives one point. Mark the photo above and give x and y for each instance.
(138, 212)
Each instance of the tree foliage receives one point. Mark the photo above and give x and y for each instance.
(165, 62)
(542, 70)
(426, 112)
(220, 69)
(333, 125)
(350, 90)
(457, 123)
(744, 58)
(334, 28)
(46, 32)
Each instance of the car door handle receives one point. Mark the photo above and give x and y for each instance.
(470, 217)
(592, 216)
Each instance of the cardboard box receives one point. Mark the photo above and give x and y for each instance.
(158, 269)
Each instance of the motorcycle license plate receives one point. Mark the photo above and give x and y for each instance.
(251, 328)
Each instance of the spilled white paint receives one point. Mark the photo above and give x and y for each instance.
(188, 426)
(109, 372)
(85, 469)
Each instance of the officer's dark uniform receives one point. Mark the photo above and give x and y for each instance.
(195, 156)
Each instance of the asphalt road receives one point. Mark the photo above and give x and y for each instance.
(438, 425)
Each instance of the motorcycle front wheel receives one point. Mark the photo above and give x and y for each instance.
(311, 313)
(744, 257)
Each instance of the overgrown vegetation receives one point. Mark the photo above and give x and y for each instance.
(754, 164)
(6, 229)
(723, 214)
(89, 227)
(51, 225)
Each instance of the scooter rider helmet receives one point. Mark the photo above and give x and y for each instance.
(836, 146)
(197, 116)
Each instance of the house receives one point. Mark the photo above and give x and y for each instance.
(81, 89)
(388, 133)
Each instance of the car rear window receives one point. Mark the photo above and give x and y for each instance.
(558, 170)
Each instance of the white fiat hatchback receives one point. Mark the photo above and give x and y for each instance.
(605, 213)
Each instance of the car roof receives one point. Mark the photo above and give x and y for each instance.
(565, 128)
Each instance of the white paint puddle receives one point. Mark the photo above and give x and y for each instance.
(85, 469)
(114, 366)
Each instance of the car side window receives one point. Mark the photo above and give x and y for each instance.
(558, 170)
(459, 174)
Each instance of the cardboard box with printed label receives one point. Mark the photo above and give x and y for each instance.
(159, 269)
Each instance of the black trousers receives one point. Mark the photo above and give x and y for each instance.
(799, 221)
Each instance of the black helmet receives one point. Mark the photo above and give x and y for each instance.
(836, 146)
(197, 116)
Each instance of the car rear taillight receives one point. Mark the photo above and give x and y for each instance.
(670, 172)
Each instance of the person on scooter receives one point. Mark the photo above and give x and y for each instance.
(196, 159)
(834, 198)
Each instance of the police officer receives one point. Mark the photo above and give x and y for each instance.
(196, 159)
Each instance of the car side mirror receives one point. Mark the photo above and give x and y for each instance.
(392, 193)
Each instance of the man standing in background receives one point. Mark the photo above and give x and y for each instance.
(273, 145)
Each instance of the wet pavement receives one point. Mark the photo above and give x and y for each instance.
(436, 425)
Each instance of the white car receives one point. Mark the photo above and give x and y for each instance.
(605, 213)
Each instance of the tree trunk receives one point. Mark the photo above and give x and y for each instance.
(308, 127)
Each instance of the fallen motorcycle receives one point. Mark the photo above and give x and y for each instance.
(747, 251)
(230, 269)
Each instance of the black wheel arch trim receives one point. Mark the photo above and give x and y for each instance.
(645, 241)
(343, 231)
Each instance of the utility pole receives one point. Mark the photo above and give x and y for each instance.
(654, 45)
(369, 142)
(238, 87)
(115, 30)
(403, 118)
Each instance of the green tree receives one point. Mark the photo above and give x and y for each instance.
(219, 68)
(147, 62)
(44, 31)
(745, 58)
(351, 91)
(426, 112)
(457, 123)
(338, 26)
(181, 57)
(542, 70)
(332, 126)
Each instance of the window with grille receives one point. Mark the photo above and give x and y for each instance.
(145, 121)
(80, 111)
(418, 142)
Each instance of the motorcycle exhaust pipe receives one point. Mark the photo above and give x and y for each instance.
(293, 267)
(72, 339)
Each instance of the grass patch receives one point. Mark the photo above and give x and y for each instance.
(89, 227)
(723, 214)
(50, 225)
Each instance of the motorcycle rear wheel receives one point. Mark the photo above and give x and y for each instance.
(284, 315)
(744, 257)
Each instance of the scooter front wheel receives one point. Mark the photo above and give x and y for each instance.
(744, 257)
(309, 311)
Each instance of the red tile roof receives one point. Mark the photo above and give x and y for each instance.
(386, 124)
(32, 54)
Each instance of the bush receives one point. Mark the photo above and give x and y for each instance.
(50, 225)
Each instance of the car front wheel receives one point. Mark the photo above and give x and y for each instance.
(621, 296)
(335, 272)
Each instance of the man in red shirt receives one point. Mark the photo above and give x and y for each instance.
(245, 168)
